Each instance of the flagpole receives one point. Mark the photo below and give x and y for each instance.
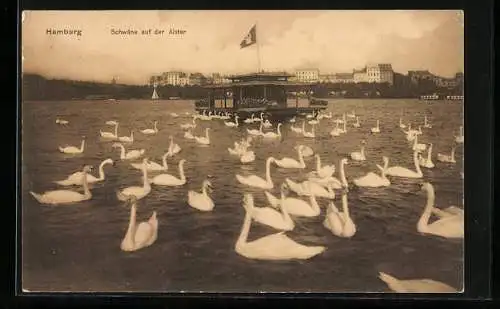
(258, 48)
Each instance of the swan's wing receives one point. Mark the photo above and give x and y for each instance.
(450, 227)
(62, 196)
(274, 201)
(286, 161)
(143, 233)
(136, 190)
(454, 210)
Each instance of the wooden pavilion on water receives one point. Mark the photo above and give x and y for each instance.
(266, 92)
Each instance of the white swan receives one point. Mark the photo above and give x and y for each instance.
(426, 123)
(418, 146)
(173, 148)
(153, 166)
(203, 140)
(256, 181)
(359, 155)
(356, 124)
(450, 227)
(247, 156)
(351, 115)
(255, 131)
(322, 171)
(398, 171)
(142, 235)
(267, 124)
(201, 201)
(295, 206)
(138, 192)
(340, 222)
(111, 122)
(415, 285)
(310, 134)
(426, 162)
(272, 247)
(307, 151)
(447, 158)
(250, 120)
(460, 138)
(76, 178)
(273, 134)
(309, 188)
(377, 128)
(61, 121)
(174, 115)
(292, 163)
(73, 149)
(279, 220)
(297, 129)
(132, 154)
(188, 134)
(312, 115)
(57, 197)
(110, 135)
(189, 125)
(169, 180)
(401, 124)
(373, 180)
(292, 120)
(336, 131)
(127, 139)
(154, 130)
(315, 121)
(232, 124)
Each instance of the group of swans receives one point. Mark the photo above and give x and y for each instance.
(58, 197)
(241, 150)
(276, 246)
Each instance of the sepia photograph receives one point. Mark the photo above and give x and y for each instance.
(177, 151)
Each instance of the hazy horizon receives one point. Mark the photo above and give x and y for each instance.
(332, 41)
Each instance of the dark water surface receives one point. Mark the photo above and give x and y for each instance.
(77, 247)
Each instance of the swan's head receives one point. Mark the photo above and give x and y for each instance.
(363, 142)
(108, 161)
(181, 162)
(207, 184)
(385, 159)
(426, 186)
(115, 145)
(344, 161)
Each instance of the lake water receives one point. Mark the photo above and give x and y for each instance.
(77, 247)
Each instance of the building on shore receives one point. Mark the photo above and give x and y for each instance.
(307, 75)
(374, 73)
(360, 76)
(197, 79)
(343, 78)
(217, 79)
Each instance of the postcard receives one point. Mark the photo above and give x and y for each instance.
(242, 151)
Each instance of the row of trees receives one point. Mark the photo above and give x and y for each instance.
(36, 87)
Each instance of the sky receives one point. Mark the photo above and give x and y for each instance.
(332, 41)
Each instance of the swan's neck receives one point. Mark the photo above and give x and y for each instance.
(453, 154)
(101, 170)
(342, 174)
(245, 228)
(204, 190)
(314, 203)
(122, 154)
(145, 184)
(345, 207)
(429, 153)
(164, 161)
(181, 171)
(301, 157)
(82, 146)
(284, 212)
(131, 224)
(386, 165)
(279, 129)
(363, 151)
(415, 161)
(260, 127)
(86, 190)
(116, 129)
(155, 128)
(318, 163)
(236, 121)
(268, 171)
(424, 219)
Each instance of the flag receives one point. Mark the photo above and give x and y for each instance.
(250, 39)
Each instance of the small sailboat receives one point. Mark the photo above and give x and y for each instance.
(155, 95)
